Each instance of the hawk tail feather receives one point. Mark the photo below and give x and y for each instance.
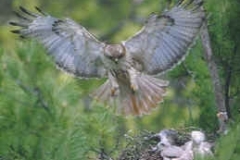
(128, 102)
(103, 93)
(149, 93)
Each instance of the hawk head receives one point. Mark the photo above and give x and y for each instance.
(114, 52)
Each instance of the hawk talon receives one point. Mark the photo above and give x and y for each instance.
(113, 91)
(134, 88)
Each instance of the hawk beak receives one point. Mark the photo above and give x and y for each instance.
(116, 60)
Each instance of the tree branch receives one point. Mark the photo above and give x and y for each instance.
(229, 74)
(218, 91)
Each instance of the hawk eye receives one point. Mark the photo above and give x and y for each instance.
(109, 56)
(119, 56)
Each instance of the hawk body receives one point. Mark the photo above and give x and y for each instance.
(131, 65)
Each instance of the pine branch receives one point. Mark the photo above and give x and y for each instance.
(36, 92)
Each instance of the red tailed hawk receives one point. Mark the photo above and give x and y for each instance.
(131, 66)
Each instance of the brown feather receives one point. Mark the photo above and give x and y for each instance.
(150, 92)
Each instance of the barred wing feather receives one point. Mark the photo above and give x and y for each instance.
(72, 47)
(164, 40)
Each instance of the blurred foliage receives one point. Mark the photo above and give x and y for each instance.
(47, 114)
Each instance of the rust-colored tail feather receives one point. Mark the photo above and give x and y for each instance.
(150, 92)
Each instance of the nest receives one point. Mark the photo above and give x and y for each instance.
(141, 146)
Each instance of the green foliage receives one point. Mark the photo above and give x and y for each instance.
(47, 114)
(228, 148)
(225, 37)
(41, 112)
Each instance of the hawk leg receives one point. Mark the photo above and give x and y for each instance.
(114, 84)
(133, 79)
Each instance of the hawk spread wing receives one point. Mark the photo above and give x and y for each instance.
(164, 40)
(72, 47)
